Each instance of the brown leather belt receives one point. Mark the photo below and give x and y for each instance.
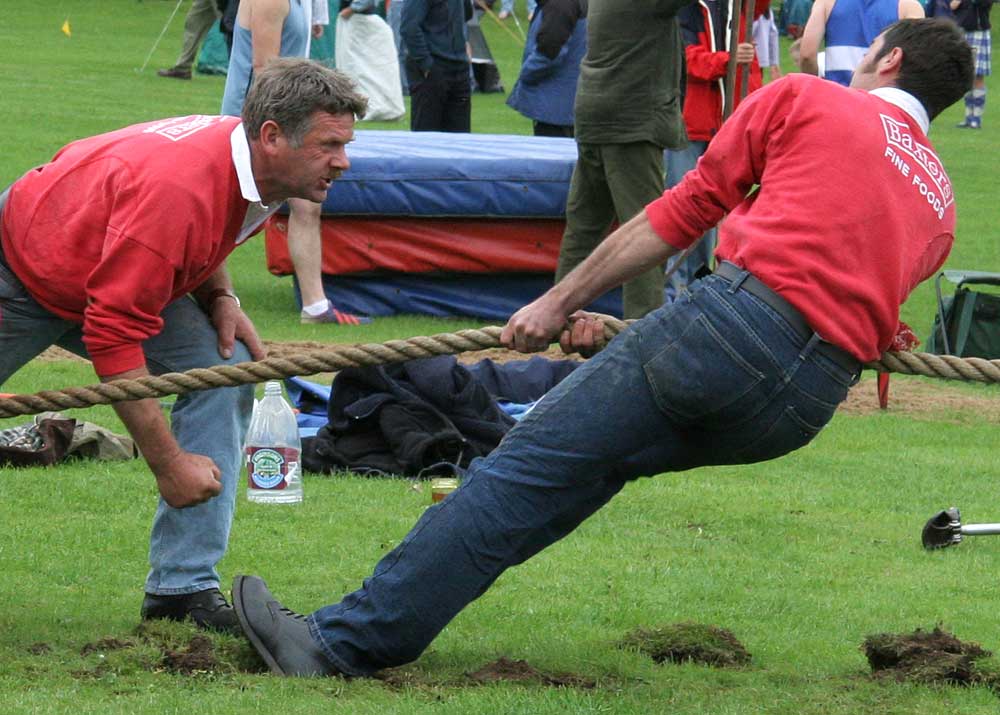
(752, 285)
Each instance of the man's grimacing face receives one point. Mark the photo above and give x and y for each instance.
(311, 167)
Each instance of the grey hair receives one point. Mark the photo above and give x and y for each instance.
(288, 91)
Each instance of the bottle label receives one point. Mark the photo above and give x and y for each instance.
(268, 467)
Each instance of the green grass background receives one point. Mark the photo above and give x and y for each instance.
(801, 558)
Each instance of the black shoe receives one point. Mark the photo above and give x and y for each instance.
(173, 73)
(280, 636)
(208, 609)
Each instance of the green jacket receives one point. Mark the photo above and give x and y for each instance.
(630, 80)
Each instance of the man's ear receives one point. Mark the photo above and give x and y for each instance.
(891, 62)
(270, 135)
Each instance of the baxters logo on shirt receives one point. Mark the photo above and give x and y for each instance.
(926, 173)
(181, 127)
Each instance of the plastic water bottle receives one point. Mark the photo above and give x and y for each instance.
(272, 449)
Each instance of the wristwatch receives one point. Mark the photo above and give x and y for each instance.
(220, 293)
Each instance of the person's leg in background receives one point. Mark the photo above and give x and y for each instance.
(679, 162)
(976, 103)
(975, 99)
(305, 246)
(590, 210)
(634, 174)
(426, 98)
(456, 114)
(197, 23)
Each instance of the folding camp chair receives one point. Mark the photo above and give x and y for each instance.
(967, 323)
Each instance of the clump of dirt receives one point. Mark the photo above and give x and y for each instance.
(503, 355)
(104, 645)
(165, 646)
(689, 642)
(519, 671)
(198, 657)
(39, 648)
(928, 657)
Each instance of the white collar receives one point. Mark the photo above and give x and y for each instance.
(241, 161)
(907, 102)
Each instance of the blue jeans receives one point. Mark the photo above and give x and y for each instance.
(717, 377)
(185, 544)
(679, 162)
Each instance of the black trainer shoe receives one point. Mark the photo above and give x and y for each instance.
(174, 73)
(280, 636)
(208, 609)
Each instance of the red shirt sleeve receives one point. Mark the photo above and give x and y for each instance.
(704, 64)
(726, 172)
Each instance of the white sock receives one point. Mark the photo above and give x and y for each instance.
(978, 102)
(315, 309)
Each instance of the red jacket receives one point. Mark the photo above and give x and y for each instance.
(706, 35)
(844, 236)
(117, 226)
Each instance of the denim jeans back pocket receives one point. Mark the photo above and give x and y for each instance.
(797, 414)
(702, 376)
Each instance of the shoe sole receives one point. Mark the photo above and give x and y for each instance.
(248, 630)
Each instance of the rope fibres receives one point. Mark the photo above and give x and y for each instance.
(330, 359)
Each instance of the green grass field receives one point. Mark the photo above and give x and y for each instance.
(801, 558)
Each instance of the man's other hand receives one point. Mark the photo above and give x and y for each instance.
(585, 334)
(185, 479)
(231, 323)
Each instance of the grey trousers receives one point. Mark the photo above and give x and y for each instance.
(197, 23)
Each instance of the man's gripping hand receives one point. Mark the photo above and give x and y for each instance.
(534, 327)
(185, 479)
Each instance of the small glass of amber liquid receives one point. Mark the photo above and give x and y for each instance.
(442, 487)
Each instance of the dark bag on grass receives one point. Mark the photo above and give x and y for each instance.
(37, 443)
(968, 323)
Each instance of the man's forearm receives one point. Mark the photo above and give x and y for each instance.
(626, 253)
(146, 423)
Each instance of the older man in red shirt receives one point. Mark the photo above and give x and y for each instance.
(116, 249)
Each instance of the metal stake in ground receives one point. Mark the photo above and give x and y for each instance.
(162, 33)
(945, 529)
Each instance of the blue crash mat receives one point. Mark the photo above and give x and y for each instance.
(489, 297)
(442, 174)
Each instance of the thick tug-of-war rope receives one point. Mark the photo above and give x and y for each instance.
(333, 358)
